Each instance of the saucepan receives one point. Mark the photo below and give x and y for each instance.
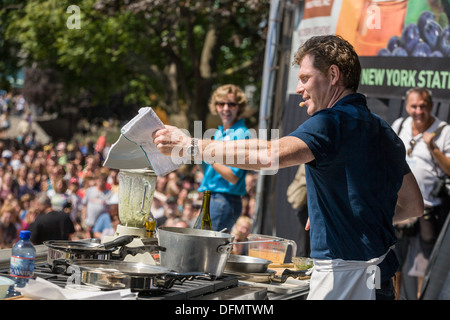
(112, 275)
(82, 250)
(195, 250)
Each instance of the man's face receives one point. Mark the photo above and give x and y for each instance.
(418, 109)
(313, 85)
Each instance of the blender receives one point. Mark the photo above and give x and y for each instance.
(136, 189)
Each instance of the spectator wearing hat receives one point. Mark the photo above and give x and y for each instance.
(52, 223)
(6, 157)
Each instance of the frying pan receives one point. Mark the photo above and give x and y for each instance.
(247, 264)
(111, 275)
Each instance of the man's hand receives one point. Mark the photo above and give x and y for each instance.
(170, 138)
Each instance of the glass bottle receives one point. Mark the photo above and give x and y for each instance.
(204, 218)
(150, 226)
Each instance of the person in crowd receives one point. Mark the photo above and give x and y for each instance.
(107, 222)
(8, 186)
(75, 201)
(170, 211)
(8, 230)
(357, 177)
(241, 230)
(52, 223)
(227, 184)
(95, 201)
(189, 213)
(427, 140)
(30, 186)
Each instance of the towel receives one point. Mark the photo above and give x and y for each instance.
(40, 288)
(135, 148)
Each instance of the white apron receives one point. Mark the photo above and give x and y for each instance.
(345, 279)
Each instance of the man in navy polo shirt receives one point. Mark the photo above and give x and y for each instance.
(357, 178)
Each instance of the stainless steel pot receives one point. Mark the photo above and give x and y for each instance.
(82, 250)
(111, 275)
(193, 250)
(240, 263)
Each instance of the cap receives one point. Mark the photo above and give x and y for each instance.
(73, 180)
(58, 202)
(25, 234)
(7, 154)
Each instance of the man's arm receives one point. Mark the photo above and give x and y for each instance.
(249, 154)
(410, 201)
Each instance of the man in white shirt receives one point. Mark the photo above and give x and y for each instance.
(427, 142)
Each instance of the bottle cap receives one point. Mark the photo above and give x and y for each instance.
(25, 234)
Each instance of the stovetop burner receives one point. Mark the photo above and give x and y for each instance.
(189, 289)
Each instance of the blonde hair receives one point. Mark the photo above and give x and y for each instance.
(222, 92)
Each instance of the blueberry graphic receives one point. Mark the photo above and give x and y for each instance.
(393, 43)
(422, 49)
(431, 32)
(436, 54)
(444, 41)
(383, 52)
(410, 37)
(423, 18)
(399, 52)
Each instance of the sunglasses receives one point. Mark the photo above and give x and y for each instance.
(230, 104)
(412, 144)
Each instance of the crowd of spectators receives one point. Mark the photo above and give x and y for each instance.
(61, 177)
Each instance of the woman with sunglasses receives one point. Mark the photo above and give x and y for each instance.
(227, 184)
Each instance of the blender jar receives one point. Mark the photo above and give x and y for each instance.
(136, 189)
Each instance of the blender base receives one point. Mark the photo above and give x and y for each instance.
(140, 240)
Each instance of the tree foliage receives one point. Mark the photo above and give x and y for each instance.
(133, 53)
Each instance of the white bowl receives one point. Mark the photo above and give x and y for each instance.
(5, 283)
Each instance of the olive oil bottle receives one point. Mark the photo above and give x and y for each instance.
(150, 226)
(204, 218)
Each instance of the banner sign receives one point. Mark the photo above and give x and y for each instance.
(390, 77)
(401, 43)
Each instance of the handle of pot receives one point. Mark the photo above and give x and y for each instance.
(119, 241)
(225, 248)
(59, 266)
(288, 273)
(188, 276)
(124, 251)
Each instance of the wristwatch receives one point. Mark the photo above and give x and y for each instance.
(192, 150)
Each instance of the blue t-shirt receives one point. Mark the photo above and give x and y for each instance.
(103, 222)
(212, 180)
(353, 182)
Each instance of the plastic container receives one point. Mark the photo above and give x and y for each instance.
(22, 260)
(270, 248)
(302, 263)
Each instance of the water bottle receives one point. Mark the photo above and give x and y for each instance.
(22, 259)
